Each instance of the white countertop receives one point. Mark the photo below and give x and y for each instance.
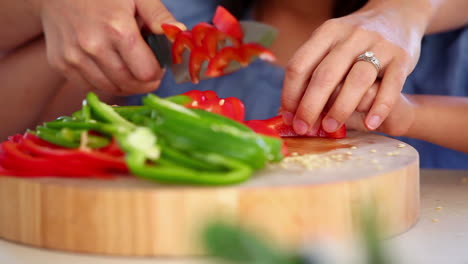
(440, 236)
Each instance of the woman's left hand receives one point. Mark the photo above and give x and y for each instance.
(392, 31)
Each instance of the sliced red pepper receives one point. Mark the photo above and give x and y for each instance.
(196, 95)
(91, 159)
(228, 23)
(238, 108)
(197, 57)
(214, 37)
(210, 95)
(182, 41)
(199, 31)
(287, 131)
(253, 50)
(222, 59)
(171, 31)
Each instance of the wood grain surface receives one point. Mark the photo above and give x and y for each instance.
(319, 193)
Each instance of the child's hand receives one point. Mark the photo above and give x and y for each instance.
(398, 122)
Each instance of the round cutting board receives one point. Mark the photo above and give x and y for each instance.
(318, 191)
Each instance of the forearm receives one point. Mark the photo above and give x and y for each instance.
(433, 15)
(19, 23)
(441, 120)
(27, 85)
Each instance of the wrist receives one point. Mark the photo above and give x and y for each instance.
(413, 108)
(416, 13)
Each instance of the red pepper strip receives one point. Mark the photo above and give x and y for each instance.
(210, 95)
(228, 23)
(219, 62)
(287, 131)
(16, 160)
(197, 97)
(182, 41)
(252, 50)
(197, 57)
(89, 159)
(261, 127)
(214, 37)
(170, 31)
(199, 31)
(238, 108)
(113, 149)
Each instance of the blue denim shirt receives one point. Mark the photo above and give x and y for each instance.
(441, 70)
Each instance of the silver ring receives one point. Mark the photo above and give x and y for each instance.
(369, 57)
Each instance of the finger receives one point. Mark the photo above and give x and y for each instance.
(356, 122)
(78, 61)
(391, 86)
(154, 13)
(118, 73)
(300, 68)
(359, 79)
(326, 77)
(134, 51)
(368, 99)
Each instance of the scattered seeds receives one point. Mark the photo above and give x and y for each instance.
(401, 145)
(375, 161)
(353, 147)
(373, 150)
(438, 208)
(435, 220)
(349, 153)
(294, 154)
(389, 153)
(221, 102)
(195, 103)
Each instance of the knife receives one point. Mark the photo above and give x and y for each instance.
(253, 32)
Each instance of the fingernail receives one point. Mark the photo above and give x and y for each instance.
(288, 118)
(313, 131)
(300, 127)
(178, 24)
(374, 122)
(330, 124)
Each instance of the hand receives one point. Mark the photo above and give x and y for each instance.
(393, 33)
(98, 44)
(398, 122)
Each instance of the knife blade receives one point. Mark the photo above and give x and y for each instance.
(253, 32)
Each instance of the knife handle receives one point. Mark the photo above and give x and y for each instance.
(161, 48)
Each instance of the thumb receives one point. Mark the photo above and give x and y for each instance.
(154, 14)
(356, 122)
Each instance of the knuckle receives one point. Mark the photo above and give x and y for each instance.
(289, 101)
(323, 78)
(91, 45)
(294, 70)
(73, 57)
(120, 29)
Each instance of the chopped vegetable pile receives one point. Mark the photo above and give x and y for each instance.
(193, 138)
(218, 44)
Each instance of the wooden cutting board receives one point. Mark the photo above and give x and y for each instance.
(317, 194)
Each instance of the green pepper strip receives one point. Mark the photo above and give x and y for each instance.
(190, 132)
(66, 137)
(174, 174)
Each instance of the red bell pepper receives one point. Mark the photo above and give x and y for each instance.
(277, 124)
(197, 57)
(230, 107)
(253, 50)
(222, 59)
(228, 23)
(171, 31)
(182, 41)
(30, 156)
(199, 32)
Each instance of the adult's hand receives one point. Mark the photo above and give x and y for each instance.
(392, 30)
(98, 44)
